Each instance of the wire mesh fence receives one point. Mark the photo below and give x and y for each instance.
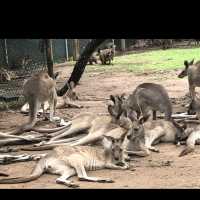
(11, 91)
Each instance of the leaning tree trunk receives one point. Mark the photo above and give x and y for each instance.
(80, 64)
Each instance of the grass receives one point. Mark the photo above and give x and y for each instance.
(156, 60)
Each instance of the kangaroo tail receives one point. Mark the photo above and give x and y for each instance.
(37, 172)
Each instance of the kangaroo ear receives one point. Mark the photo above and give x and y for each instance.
(191, 62)
(112, 98)
(57, 75)
(186, 63)
(108, 138)
(111, 111)
(123, 96)
(142, 120)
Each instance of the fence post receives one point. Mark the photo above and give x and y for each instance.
(49, 57)
(76, 49)
(123, 44)
(66, 50)
(6, 52)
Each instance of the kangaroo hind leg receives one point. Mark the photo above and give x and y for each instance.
(82, 175)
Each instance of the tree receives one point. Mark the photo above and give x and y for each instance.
(81, 64)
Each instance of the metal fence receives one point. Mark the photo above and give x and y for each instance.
(12, 59)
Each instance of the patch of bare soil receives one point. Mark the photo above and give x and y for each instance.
(159, 170)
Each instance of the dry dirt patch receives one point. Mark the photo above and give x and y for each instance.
(159, 170)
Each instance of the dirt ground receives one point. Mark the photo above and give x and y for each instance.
(159, 170)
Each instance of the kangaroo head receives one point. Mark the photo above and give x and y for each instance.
(184, 72)
(71, 92)
(115, 109)
(183, 134)
(5, 76)
(113, 147)
(57, 75)
(136, 130)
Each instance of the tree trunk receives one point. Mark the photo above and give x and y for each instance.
(80, 64)
(49, 57)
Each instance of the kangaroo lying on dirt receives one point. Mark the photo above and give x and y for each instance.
(94, 125)
(146, 97)
(38, 89)
(68, 161)
(151, 133)
(139, 139)
(193, 72)
(192, 134)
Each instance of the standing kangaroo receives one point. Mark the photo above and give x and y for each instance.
(194, 107)
(38, 89)
(65, 101)
(68, 161)
(146, 97)
(193, 72)
(106, 55)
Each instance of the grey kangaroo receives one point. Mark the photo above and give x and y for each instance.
(194, 107)
(193, 72)
(68, 161)
(146, 97)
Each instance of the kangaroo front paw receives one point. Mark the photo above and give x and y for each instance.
(67, 183)
(186, 151)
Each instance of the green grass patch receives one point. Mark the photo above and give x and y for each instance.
(156, 60)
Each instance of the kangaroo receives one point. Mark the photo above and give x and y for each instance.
(193, 72)
(4, 75)
(38, 89)
(166, 43)
(95, 126)
(192, 136)
(194, 107)
(92, 59)
(21, 62)
(146, 97)
(68, 161)
(66, 101)
(139, 139)
(106, 55)
(139, 142)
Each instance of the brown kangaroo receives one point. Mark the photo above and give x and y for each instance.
(193, 72)
(68, 161)
(38, 89)
(106, 55)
